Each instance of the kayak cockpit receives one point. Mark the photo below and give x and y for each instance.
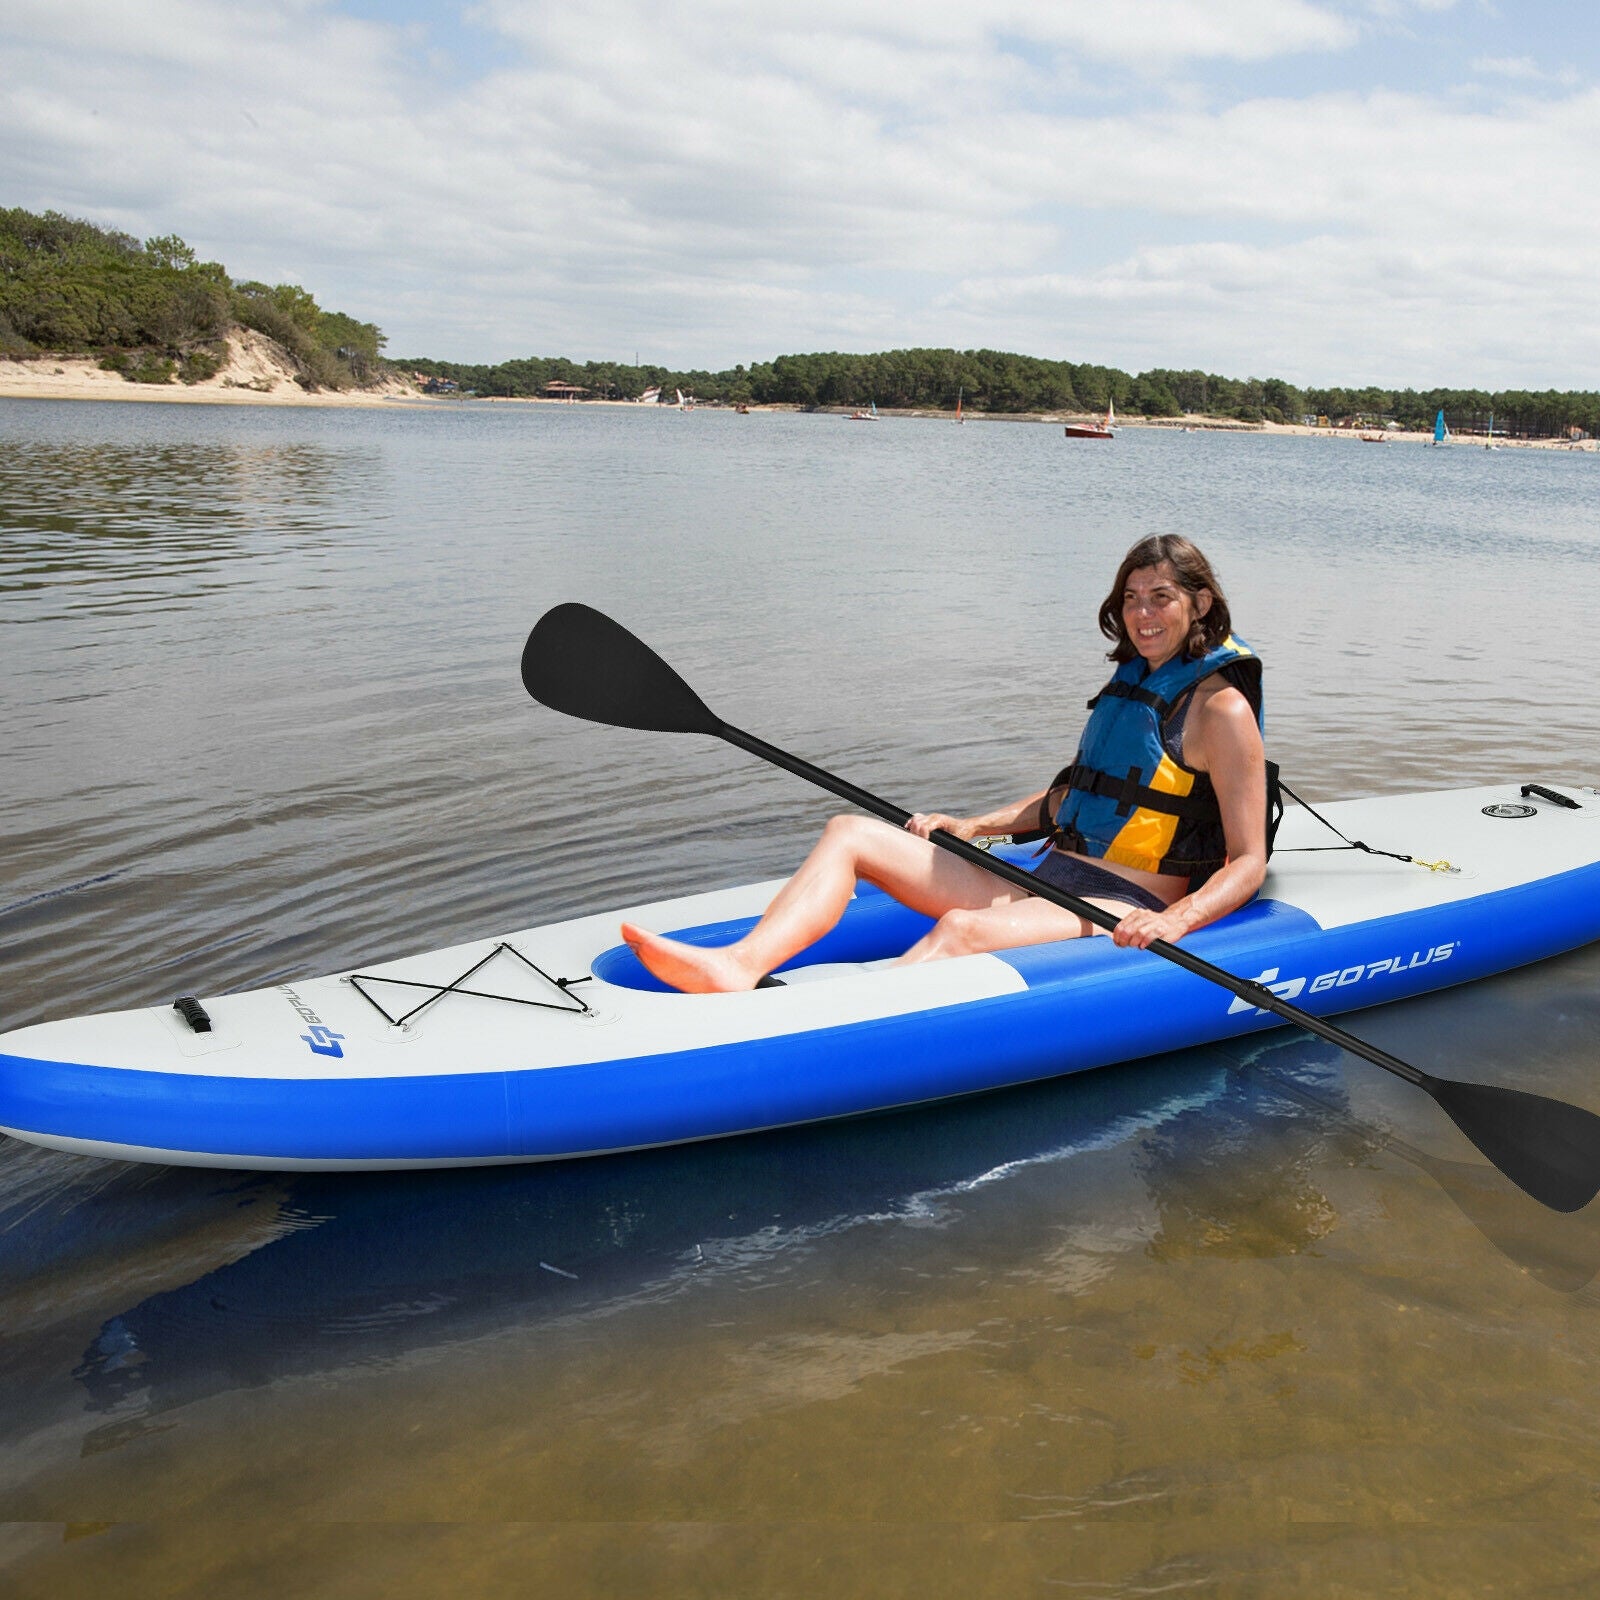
(875, 927)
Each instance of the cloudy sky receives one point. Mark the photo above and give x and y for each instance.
(1390, 191)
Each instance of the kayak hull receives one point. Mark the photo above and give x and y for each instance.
(314, 1075)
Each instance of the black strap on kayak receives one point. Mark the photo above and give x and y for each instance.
(1354, 844)
(359, 980)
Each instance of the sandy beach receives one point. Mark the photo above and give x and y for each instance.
(255, 373)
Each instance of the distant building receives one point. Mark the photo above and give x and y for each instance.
(556, 390)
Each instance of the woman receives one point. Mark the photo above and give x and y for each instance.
(1161, 816)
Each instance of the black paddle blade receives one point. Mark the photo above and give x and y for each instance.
(1546, 1147)
(579, 661)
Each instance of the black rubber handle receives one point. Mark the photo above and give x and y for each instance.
(192, 1012)
(1549, 794)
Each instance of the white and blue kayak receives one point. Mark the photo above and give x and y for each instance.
(553, 1042)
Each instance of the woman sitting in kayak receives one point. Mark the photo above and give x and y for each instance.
(1161, 816)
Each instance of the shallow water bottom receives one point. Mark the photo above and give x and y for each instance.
(790, 1561)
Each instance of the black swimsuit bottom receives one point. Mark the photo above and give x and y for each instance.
(1084, 878)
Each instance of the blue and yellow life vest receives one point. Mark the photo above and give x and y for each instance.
(1125, 799)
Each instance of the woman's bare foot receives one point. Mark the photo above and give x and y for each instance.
(687, 966)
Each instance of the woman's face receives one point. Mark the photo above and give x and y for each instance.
(1158, 612)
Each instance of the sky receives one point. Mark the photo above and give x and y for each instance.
(1399, 192)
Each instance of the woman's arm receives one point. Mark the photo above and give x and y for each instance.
(1222, 738)
(1019, 817)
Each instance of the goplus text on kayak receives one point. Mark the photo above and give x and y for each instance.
(1341, 978)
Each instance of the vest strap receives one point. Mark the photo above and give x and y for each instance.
(1118, 690)
(1131, 795)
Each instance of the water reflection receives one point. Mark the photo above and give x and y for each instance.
(1238, 1177)
(369, 1269)
(1562, 1252)
(117, 528)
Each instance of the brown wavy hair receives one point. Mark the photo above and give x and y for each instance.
(1194, 574)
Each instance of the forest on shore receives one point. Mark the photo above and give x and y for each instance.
(154, 312)
(996, 381)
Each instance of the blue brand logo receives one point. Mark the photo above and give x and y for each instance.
(323, 1040)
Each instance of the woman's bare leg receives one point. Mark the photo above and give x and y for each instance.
(966, 931)
(916, 872)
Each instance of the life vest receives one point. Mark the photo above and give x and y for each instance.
(1125, 799)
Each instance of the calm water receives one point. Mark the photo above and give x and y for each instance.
(1241, 1321)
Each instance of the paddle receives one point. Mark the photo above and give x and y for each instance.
(579, 661)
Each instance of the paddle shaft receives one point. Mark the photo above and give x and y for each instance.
(1255, 994)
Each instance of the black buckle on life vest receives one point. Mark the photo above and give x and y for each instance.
(1132, 691)
(1131, 795)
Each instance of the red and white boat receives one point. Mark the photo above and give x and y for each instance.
(1095, 430)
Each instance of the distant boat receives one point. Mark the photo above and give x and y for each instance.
(866, 416)
(1489, 444)
(649, 397)
(742, 409)
(1374, 438)
(959, 417)
(685, 402)
(1441, 429)
(1095, 430)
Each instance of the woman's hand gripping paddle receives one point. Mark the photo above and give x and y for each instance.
(579, 661)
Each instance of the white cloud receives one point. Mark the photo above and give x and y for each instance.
(1134, 32)
(1523, 69)
(723, 182)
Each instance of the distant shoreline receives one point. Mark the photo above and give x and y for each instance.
(254, 376)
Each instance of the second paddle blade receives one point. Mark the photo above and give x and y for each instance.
(579, 661)
(1546, 1147)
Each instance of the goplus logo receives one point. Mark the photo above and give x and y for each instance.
(322, 1039)
(1293, 988)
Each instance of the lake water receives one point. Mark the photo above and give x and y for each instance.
(1249, 1320)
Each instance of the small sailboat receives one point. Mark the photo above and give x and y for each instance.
(870, 415)
(1489, 444)
(1095, 430)
(959, 417)
(1441, 429)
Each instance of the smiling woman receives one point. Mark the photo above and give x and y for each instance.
(1160, 818)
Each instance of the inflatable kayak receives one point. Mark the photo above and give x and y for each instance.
(554, 1042)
